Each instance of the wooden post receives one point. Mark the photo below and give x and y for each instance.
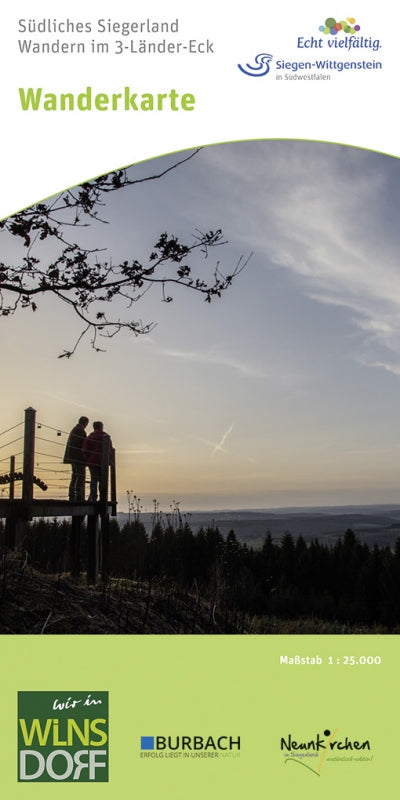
(29, 460)
(113, 484)
(76, 527)
(93, 548)
(10, 531)
(105, 526)
(105, 547)
(12, 470)
(105, 463)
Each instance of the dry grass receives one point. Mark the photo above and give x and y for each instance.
(310, 626)
(34, 602)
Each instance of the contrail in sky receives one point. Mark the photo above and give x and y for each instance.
(223, 440)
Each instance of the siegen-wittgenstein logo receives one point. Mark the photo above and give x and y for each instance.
(63, 736)
(315, 752)
(262, 63)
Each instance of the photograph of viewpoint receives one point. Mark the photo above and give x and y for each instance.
(227, 320)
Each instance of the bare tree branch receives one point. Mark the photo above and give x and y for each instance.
(88, 285)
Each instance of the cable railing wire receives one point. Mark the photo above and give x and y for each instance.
(20, 438)
(7, 458)
(42, 439)
(13, 427)
(59, 431)
(57, 478)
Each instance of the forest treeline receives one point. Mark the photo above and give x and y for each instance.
(348, 582)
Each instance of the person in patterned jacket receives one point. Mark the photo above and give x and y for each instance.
(93, 454)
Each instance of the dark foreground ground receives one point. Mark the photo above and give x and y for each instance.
(33, 602)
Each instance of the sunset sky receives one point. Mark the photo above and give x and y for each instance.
(284, 392)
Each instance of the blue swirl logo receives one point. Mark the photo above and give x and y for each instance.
(262, 62)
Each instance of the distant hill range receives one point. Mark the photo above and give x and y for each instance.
(375, 524)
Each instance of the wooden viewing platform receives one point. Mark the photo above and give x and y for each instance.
(18, 511)
(54, 508)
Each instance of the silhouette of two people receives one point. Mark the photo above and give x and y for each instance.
(82, 451)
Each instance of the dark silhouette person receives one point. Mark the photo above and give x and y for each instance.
(93, 455)
(73, 455)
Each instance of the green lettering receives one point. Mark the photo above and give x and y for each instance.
(101, 102)
(50, 103)
(188, 102)
(30, 98)
(147, 103)
(130, 100)
(35, 730)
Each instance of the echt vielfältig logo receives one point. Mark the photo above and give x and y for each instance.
(345, 25)
(63, 736)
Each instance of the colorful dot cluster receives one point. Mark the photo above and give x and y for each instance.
(333, 27)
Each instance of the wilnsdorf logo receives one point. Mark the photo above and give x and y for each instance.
(63, 736)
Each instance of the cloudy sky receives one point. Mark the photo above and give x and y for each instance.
(284, 392)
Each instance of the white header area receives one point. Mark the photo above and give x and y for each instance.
(130, 70)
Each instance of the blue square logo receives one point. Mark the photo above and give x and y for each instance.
(147, 742)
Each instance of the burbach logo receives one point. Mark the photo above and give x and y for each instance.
(315, 752)
(190, 746)
(63, 736)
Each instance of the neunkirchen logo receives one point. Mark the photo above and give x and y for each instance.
(313, 753)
